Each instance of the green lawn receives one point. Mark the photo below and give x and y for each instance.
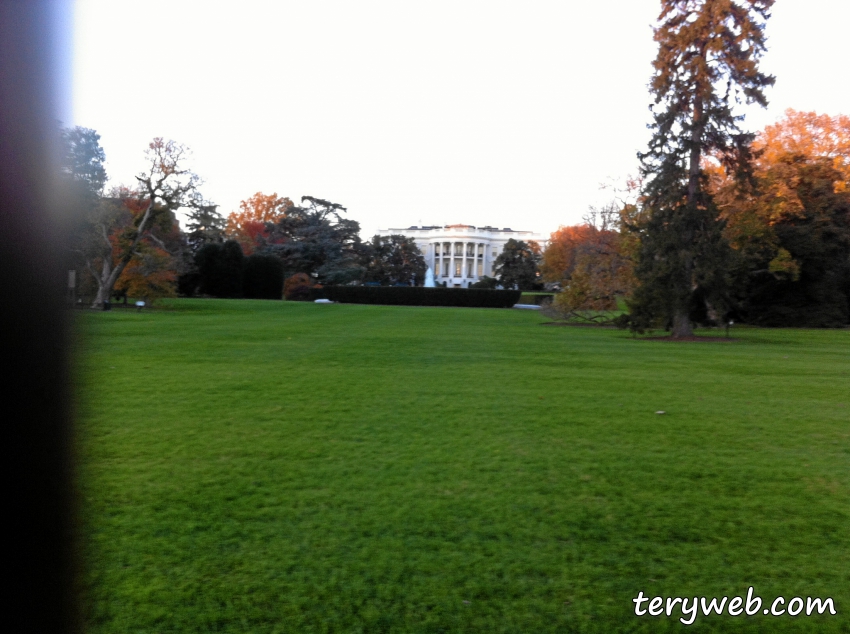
(252, 466)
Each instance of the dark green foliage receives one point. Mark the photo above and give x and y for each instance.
(315, 238)
(205, 225)
(82, 178)
(418, 296)
(485, 282)
(262, 277)
(220, 268)
(819, 240)
(706, 63)
(392, 260)
(189, 283)
(82, 160)
(674, 278)
(536, 298)
(517, 265)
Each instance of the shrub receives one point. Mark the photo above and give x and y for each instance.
(418, 296)
(536, 298)
(485, 282)
(220, 269)
(297, 288)
(262, 277)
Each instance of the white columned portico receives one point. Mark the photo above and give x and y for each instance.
(462, 254)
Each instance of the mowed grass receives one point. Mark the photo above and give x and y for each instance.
(284, 467)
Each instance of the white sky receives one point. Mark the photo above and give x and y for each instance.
(503, 113)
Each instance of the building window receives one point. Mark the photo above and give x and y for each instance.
(480, 268)
(458, 248)
(495, 253)
(445, 268)
(470, 249)
(469, 269)
(458, 264)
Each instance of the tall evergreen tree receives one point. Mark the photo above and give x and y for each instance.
(205, 225)
(707, 63)
(314, 238)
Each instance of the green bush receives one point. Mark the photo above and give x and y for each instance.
(417, 296)
(220, 269)
(262, 277)
(535, 298)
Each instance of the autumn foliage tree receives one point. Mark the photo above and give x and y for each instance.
(559, 258)
(791, 231)
(250, 226)
(164, 186)
(592, 263)
(296, 288)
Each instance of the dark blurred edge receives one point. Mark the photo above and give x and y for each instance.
(36, 423)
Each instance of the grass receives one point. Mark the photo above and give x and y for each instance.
(250, 466)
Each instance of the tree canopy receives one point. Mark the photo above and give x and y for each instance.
(251, 225)
(314, 238)
(517, 265)
(791, 231)
(591, 262)
(392, 260)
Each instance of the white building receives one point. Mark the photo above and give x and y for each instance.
(461, 254)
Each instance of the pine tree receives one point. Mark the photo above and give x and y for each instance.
(707, 63)
(205, 225)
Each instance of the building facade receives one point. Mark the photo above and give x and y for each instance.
(460, 255)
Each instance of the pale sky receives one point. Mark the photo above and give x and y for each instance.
(510, 114)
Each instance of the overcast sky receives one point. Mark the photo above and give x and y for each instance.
(509, 114)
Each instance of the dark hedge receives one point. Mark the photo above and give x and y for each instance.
(262, 277)
(220, 267)
(417, 296)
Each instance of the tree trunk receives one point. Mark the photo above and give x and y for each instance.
(106, 280)
(682, 326)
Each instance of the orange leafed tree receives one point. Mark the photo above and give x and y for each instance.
(249, 226)
(151, 272)
(592, 261)
(783, 151)
(164, 186)
(560, 254)
(149, 275)
(791, 226)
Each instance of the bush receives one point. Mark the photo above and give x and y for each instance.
(298, 287)
(220, 269)
(188, 283)
(536, 298)
(262, 277)
(417, 296)
(485, 282)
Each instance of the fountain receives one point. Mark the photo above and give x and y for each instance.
(429, 278)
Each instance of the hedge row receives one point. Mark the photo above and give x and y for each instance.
(417, 296)
(536, 298)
